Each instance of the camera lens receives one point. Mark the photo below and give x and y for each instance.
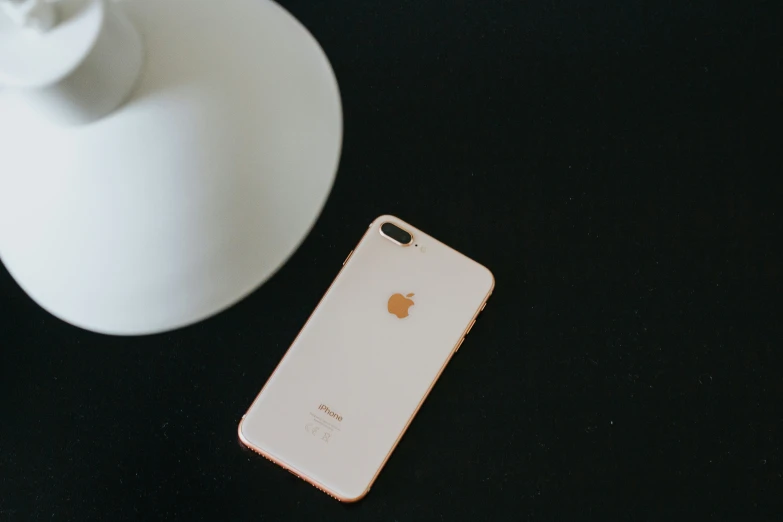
(396, 234)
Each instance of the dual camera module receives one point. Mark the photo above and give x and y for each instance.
(396, 234)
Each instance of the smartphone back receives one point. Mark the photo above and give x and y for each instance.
(346, 390)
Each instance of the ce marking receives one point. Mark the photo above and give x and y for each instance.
(313, 430)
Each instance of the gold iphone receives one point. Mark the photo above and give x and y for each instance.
(341, 398)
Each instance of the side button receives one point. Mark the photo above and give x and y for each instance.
(347, 258)
(470, 327)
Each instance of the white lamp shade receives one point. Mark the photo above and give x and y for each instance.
(190, 195)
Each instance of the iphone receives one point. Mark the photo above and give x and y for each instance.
(346, 390)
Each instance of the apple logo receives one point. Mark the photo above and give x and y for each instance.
(399, 304)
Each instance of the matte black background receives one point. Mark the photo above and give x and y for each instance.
(616, 163)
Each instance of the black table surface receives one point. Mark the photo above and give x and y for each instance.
(616, 164)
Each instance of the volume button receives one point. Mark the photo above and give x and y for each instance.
(471, 326)
(347, 258)
(460, 344)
